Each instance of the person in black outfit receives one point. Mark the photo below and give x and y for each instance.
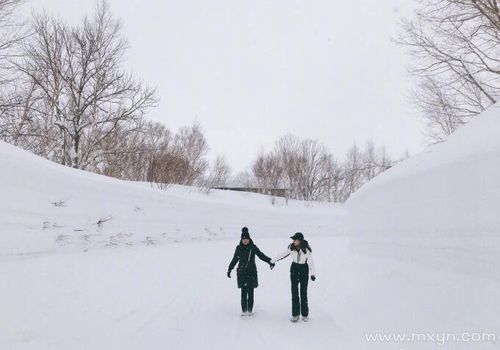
(302, 263)
(244, 255)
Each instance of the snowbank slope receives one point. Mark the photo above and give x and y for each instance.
(441, 206)
(44, 205)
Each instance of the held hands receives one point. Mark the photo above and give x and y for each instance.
(272, 265)
(228, 273)
(313, 278)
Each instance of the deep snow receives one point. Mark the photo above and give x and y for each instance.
(45, 205)
(440, 207)
(416, 250)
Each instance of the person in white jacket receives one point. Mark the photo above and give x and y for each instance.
(302, 264)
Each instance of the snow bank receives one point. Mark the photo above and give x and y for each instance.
(440, 207)
(45, 206)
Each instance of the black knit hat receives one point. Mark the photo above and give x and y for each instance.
(244, 233)
(298, 236)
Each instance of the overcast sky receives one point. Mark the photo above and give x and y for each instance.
(251, 71)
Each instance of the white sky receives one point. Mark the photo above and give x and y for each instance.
(251, 71)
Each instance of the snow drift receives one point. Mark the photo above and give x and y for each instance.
(440, 207)
(44, 206)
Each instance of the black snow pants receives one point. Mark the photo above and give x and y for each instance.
(247, 299)
(299, 276)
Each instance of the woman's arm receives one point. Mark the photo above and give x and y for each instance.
(312, 266)
(234, 261)
(261, 255)
(281, 256)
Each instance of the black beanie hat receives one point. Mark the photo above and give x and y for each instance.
(244, 233)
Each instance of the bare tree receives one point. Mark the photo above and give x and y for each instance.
(245, 179)
(375, 161)
(175, 159)
(220, 172)
(80, 88)
(332, 181)
(166, 169)
(287, 149)
(353, 177)
(192, 147)
(134, 157)
(11, 31)
(455, 48)
(74, 103)
(309, 172)
(218, 176)
(305, 164)
(268, 173)
(312, 169)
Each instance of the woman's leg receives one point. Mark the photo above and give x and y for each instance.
(250, 299)
(304, 306)
(295, 293)
(244, 299)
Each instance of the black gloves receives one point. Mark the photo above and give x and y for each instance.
(228, 273)
(313, 278)
(272, 265)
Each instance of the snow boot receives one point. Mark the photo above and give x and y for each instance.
(244, 314)
(305, 318)
(294, 319)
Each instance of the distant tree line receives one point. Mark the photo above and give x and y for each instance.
(454, 47)
(310, 172)
(65, 95)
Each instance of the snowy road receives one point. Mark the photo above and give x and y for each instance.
(178, 297)
(146, 298)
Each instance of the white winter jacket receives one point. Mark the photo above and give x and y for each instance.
(298, 257)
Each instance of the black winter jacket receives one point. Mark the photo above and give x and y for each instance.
(244, 255)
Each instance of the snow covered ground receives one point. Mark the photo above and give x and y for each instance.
(45, 206)
(177, 296)
(174, 296)
(89, 262)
